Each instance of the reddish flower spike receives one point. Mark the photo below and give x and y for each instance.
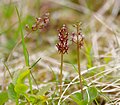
(62, 45)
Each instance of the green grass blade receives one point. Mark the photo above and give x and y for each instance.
(8, 69)
(35, 63)
(26, 55)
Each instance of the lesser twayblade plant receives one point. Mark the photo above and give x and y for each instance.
(78, 39)
(62, 46)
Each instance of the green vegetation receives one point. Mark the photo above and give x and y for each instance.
(47, 57)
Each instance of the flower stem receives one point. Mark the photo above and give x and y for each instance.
(61, 68)
(78, 59)
(26, 54)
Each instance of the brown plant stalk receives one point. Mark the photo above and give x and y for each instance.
(62, 46)
(78, 40)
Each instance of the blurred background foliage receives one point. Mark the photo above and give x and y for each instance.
(101, 27)
(61, 12)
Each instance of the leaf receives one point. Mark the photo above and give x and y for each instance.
(3, 97)
(77, 97)
(44, 89)
(11, 92)
(35, 63)
(75, 68)
(21, 88)
(32, 99)
(26, 54)
(20, 75)
(83, 102)
(91, 94)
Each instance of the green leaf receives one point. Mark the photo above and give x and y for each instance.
(75, 68)
(26, 54)
(91, 94)
(77, 97)
(25, 51)
(11, 92)
(83, 102)
(35, 63)
(44, 89)
(20, 75)
(32, 99)
(3, 97)
(21, 88)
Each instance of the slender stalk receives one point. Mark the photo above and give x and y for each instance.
(31, 72)
(8, 69)
(62, 46)
(96, 102)
(30, 83)
(26, 54)
(61, 68)
(78, 59)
